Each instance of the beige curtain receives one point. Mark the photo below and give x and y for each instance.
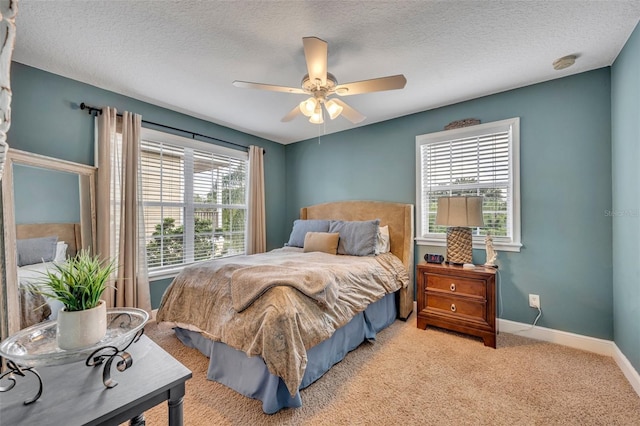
(256, 223)
(120, 234)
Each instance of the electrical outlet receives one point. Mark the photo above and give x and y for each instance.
(534, 301)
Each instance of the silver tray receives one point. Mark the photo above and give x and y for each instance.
(36, 346)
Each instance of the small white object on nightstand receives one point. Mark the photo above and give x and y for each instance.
(492, 255)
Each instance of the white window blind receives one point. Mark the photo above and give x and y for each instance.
(195, 201)
(477, 160)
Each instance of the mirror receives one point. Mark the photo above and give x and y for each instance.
(45, 202)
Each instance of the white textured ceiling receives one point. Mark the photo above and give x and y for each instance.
(185, 55)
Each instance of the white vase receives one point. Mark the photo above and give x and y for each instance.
(81, 329)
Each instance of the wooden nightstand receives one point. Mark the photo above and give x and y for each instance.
(458, 299)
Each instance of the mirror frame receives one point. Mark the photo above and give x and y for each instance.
(11, 304)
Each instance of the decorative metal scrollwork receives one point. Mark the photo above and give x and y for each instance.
(121, 330)
(17, 370)
(108, 354)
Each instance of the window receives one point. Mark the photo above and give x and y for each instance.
(195, 202)
(476, 160)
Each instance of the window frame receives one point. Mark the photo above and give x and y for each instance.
(153, 135)
(514, 243)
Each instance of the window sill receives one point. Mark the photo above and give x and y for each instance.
(165, 273)
(477, 244)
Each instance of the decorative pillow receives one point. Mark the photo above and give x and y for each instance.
(36, 250)
(357, 238)
(384, 245)
(321, 241)
(301, 227)
(61, 251)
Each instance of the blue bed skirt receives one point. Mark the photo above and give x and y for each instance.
(250, 376)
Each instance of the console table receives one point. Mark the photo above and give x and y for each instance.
(74, 394)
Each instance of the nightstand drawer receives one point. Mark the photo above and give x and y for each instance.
(457, 306)
(455, 285)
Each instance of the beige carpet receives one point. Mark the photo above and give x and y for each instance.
(428, 377)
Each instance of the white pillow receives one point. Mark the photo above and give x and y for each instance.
(384, 244)
(61, 252)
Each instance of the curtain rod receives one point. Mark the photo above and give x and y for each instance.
(92, 109)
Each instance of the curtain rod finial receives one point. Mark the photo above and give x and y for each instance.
(90, 109)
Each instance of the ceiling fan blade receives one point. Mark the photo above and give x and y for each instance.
(292, 114)
(349, 113)
(392, 82)
(315, 53)
(271, 87)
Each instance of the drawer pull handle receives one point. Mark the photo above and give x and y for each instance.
(453, 287)
(453, 307)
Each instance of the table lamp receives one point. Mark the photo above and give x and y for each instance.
(459, 214)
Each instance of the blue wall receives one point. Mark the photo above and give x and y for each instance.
(625, 123)
(566, 175)
(45, 196)
(46, 120)
(565, 150)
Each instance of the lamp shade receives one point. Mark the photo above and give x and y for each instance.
(333, 108)
(307, 107)
(459, 211)
(316, 117)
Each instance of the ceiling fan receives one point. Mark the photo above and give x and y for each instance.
(320, 85)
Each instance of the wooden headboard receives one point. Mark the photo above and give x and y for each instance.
(399, 218)
(67, 232)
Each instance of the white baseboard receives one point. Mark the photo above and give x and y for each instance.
(154, 312)
(578, 341)
(627, 369)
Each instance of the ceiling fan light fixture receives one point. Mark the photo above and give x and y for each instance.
(333, 109)
(316, 117)
(308, 107)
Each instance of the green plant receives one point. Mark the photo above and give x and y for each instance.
(77, 283)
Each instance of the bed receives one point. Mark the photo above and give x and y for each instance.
(267, 341)
(34, 308)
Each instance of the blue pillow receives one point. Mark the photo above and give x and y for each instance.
(36, 250)
(357, 238)
(301, 227)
